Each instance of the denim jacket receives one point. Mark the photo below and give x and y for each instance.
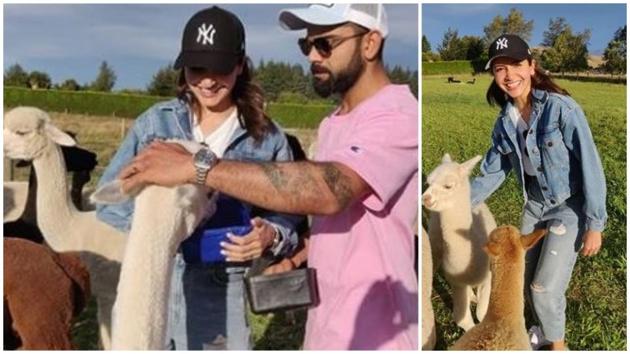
(171, 120)
(561, 149)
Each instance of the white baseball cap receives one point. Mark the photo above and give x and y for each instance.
(370, 16)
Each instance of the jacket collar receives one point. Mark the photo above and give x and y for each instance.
(183, 118)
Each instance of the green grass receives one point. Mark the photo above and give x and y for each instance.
(456, 119)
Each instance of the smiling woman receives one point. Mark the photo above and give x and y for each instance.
(544, 136)
(220, 107)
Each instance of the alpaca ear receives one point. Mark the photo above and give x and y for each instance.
(492, 249)
(446, 158)
(468, 166)
(58, 136)
(528, 241)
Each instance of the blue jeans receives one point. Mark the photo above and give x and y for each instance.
(207, 309)
(549, 264)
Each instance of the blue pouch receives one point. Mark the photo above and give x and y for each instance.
(203, 246)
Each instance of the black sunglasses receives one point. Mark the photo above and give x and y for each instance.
(324, 45)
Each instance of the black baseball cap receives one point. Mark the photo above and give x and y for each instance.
(214, 39)
(508, 45)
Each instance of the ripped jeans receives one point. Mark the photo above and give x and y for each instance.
(207, 309)
(549, 264)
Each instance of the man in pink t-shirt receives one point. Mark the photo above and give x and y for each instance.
(362, 186)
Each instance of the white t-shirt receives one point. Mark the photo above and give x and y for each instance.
(219, 139)
(522, 128)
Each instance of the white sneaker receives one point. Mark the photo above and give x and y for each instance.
(537, 338)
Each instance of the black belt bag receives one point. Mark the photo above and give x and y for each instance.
(281, 291)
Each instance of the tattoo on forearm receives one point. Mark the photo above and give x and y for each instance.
(302, 183)
(275, 175)
(338, 183)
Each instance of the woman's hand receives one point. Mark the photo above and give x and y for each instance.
(285, 265)
(592, 242)
(250, 246)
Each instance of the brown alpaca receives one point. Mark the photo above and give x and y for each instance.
(43, 291)
(503, 328)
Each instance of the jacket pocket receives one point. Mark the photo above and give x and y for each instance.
(504, 146)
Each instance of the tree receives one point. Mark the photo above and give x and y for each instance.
(615, 53)
(426, 46)
(69, 85)
(16, 76)
(105, 80)
(556, 27)
(164, 82)
(473, 46)
(451, 47)
(514, 23)
(39, 80)
(569, 52)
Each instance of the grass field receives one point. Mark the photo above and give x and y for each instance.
(103, 135)
(456, 119)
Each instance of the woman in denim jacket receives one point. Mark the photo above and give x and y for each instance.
(217, 104)
(543, 135)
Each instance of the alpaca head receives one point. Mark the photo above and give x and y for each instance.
(448, 184)
(506, 242)
(28, 132)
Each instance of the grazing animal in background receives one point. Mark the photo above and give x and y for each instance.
(30, 135)
(43, 291)
(458, 233)
(503, 328)
(451, 80)
(472, 82)
(163, 217)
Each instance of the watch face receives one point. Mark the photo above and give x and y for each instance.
(204, 158)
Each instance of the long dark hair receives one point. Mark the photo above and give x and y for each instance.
(247, 95)
(541, 81)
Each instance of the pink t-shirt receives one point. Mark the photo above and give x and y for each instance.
(364, 256)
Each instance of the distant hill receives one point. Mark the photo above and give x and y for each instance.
(595, 61)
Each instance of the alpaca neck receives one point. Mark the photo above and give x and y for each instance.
(143, 290)
(459, 217)
(55, 211)
(506, 295)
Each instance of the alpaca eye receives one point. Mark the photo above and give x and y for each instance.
(448, 186)
(20, 133)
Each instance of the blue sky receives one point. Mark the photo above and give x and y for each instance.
(469, 19)
(71, 40)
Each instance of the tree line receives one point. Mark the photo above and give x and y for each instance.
(561, 50)
(281, 82)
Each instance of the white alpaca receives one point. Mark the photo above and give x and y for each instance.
(503, 328)
(29, 135)
(428, 319)
(163, 218)
(457, 235)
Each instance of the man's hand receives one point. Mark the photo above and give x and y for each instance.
(165, 164)
(250, 246)
(592, 242)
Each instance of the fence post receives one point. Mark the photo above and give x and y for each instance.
(122, 128)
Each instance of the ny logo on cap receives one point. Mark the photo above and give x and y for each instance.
(502, 43)
(206, 34)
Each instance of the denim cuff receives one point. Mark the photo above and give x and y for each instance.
(595, 225)
(279, 247)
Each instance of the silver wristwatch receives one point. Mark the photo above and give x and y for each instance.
(204, 160)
